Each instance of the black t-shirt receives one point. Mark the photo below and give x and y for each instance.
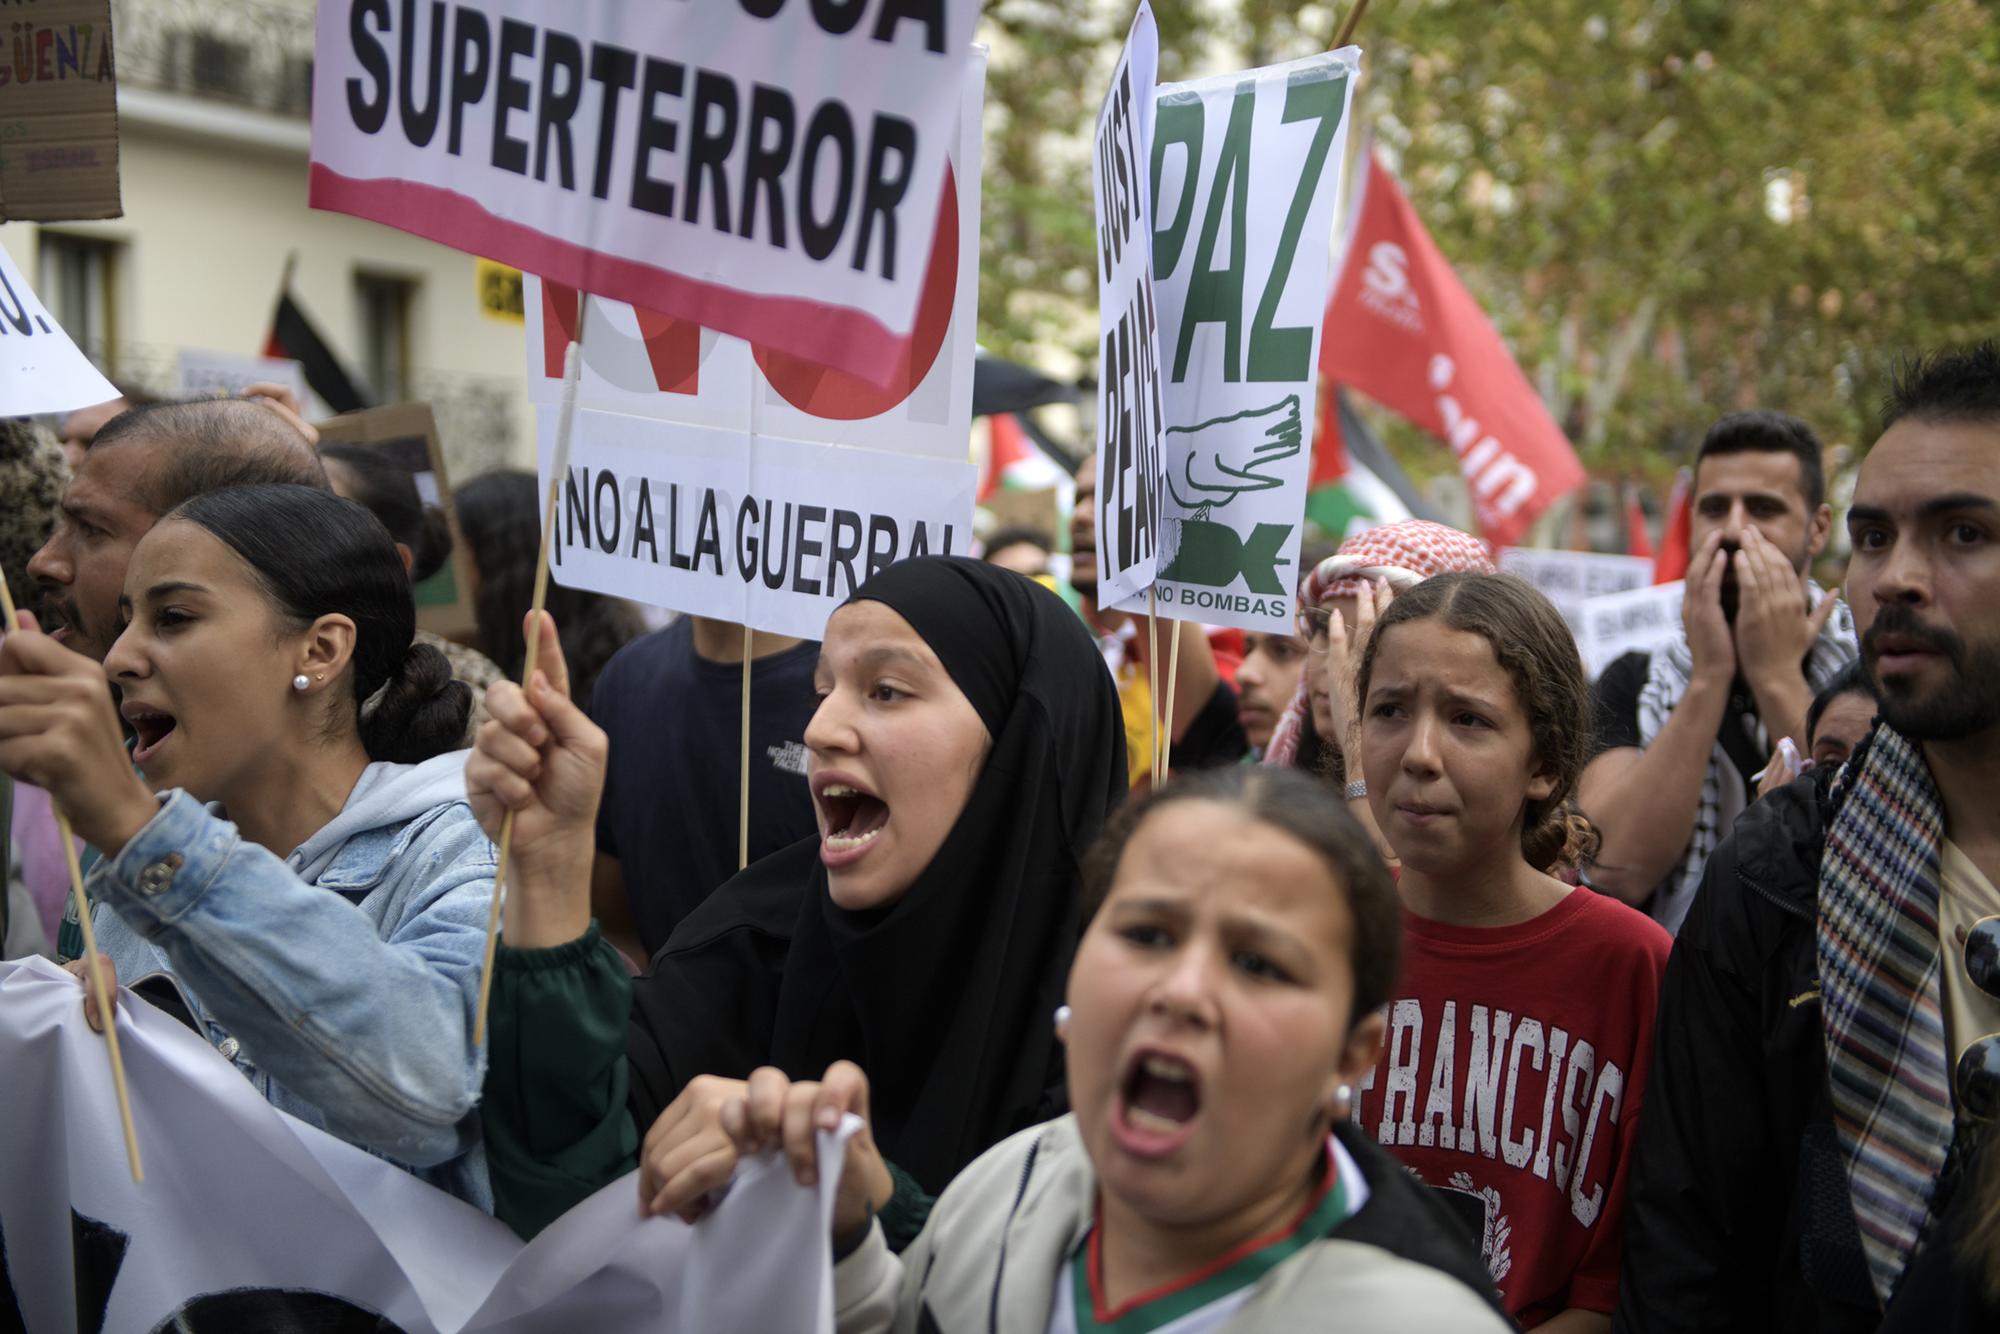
(670, 786)
(1215, 737)
(1614, 701)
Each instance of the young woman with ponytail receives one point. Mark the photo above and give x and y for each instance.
(292, 869)
(1517, 1047)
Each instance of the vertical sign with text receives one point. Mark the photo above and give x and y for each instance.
(1245, 172)
(1130, 466)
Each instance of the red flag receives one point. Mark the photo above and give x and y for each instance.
(1329, 460)
(1638, 541)
(1006, 445)
(1401, 328)
(1672, 562)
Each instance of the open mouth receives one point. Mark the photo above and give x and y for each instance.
(854, 818)
(150, 725)
(1160, 1096)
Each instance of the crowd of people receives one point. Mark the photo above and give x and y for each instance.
(1350, 1014)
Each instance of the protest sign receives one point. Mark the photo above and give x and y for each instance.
(408, 434)
(1131, 462)
(1571, 578)
(41, 370)
(200, 374)
(59, 114)
(1245, 171)
(1619, 623)
(733, 480)
(768, 169)
(499, 291)
(255, 1220)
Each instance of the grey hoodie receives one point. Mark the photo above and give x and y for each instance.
(340, 980)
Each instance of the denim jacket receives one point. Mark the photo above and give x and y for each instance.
(340, 980)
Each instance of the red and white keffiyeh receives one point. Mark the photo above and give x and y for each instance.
(1406, 554)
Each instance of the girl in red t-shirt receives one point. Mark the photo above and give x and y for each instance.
(1517, 1047)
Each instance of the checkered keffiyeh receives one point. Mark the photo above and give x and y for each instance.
(1406, 554)
(1880, 1001)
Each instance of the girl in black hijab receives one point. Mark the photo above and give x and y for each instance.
(967, 749)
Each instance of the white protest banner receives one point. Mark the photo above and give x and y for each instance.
(1571, 578)
(1131, 467)
(1245, 172)
(1619, 623)
(41, 370)
(250, 1219)
(734, 480)
(764, 168)
(217, 374)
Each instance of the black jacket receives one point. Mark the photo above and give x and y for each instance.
(1738, 1217)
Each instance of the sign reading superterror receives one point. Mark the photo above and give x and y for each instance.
(767, 168)
(734, 480)
(1245, 175)
(41, 370)
(1130, 465)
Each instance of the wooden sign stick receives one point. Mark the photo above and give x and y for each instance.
(1353, 22)
(572, 369)
(92, 972)
(743, 786)
(1153, 687)
(1173, 680)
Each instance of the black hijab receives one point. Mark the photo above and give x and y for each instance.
(945, 997)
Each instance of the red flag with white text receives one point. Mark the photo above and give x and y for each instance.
(1401, 328)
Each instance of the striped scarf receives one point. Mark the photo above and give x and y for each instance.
(1880, 1004)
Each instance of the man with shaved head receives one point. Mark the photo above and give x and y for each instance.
(141, 464)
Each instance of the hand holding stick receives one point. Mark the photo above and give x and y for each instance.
(93, 966)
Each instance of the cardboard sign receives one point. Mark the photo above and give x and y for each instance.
(219, 375)
(1245, 175)
(408, 433)
(733, 480)
(58, 113)
(1572, 578)
(768, 169)
(1617, 624)
(1131, 462)
(41, 370)
(287, 1228)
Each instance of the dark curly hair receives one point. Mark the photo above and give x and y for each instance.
(1535, 646)
(500, 517)
(1293, 802)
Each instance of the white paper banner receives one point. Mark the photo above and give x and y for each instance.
(675, 421)
(769, 169)
(217, 374)
(1246, 177)
(249, 1219)
(41, 370)
(1620, 623)
(1131, 468)
(1571, 578)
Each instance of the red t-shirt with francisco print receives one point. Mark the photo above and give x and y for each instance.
(1511, 1082)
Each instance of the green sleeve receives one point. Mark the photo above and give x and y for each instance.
(908, 1209)
(553, 1112)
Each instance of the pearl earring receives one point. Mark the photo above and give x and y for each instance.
(299, 683)
(1062, 1019)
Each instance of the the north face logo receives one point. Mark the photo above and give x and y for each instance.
(789, 758)
(1386, 290)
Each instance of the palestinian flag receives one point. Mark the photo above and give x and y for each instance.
(294, 337)
(1354, 483)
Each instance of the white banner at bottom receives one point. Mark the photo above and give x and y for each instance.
(250, 1219)
(761, 530)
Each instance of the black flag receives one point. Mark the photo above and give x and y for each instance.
(293, 336)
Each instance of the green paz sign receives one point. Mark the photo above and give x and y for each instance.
(1245, 174)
